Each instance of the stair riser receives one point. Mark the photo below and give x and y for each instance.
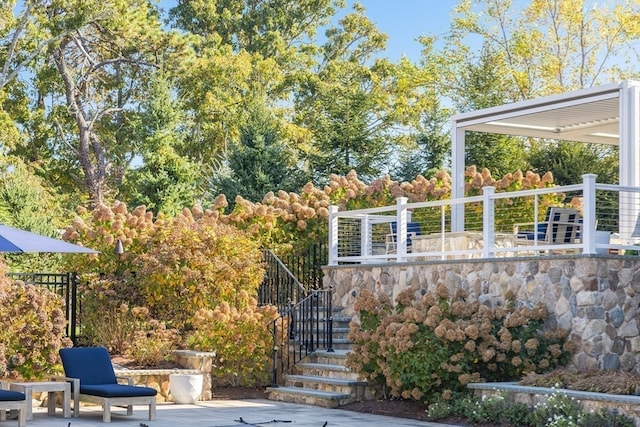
(309, 400)
(356, 392)
(330, 360)
(325, 373)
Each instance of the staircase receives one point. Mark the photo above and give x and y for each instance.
(321, 379)
(311, 333)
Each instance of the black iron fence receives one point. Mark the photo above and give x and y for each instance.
(63, 284)
(300, 330)
(289, 278)
(293, 283)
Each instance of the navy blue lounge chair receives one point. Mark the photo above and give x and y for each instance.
(561, 226)
(93, 380)
(13, 400)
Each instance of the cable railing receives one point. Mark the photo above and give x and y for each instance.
(586, 218)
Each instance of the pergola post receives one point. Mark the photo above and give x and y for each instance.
(629, 152)
(457, 176)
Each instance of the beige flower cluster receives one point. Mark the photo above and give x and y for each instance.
(431, 346)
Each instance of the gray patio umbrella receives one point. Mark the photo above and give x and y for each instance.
(19, 241)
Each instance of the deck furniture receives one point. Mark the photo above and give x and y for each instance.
(50, 387)
(561, 227)
(12, 400)
(413, 229)
(93, 380)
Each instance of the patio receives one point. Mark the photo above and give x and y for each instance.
(226, 413)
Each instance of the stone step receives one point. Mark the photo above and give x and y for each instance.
(335, 357)
(353, 388)
(327, 370)
(305, 396)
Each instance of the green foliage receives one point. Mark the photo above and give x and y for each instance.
(556, 410)
(167, 179)
(568, 161)
(483, 86)
(32, 330)
(259, 162)
(27, 203)
(109, 319)
(435, 346)
(194, 263)
(240, 336)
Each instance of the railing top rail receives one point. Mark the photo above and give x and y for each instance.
(444, 202)
(615, 187)
(391, 209)
(288, 272)
(358, 213)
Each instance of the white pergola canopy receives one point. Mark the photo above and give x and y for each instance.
(608, 114)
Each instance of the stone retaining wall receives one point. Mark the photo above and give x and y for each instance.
(595, 297)
(192, 362)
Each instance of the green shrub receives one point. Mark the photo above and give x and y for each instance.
(241, 339)
(435, 346)
(557, 410)
(196, 263)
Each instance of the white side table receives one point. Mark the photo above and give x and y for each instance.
(50, 387)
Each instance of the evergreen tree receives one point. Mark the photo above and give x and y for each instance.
(258, 162)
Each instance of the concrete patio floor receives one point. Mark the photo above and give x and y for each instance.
(221, 413)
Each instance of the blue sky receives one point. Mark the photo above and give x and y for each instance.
(405, 20)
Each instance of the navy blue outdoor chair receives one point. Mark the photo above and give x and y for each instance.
(539, 233)
(94, 380)
(10, 400)
(561, 226)
(413, 229)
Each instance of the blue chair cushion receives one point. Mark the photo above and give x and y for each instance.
(6, 395)
(92, 365)
(116, 390)
(531, 235)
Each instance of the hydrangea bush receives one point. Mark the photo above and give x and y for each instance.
(196, 262)
(33, 329)
(432, 347)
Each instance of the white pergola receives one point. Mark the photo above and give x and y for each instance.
(608, 114)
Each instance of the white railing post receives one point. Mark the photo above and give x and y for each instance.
(589, 213)
(488, 217)
(365, 237)
(333, 235)
(401, 228)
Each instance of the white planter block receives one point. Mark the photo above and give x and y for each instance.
(185, 388)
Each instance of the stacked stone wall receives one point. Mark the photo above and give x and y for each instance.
(596, 297)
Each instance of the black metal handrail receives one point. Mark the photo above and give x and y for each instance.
(280, 286)
(300, 330)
